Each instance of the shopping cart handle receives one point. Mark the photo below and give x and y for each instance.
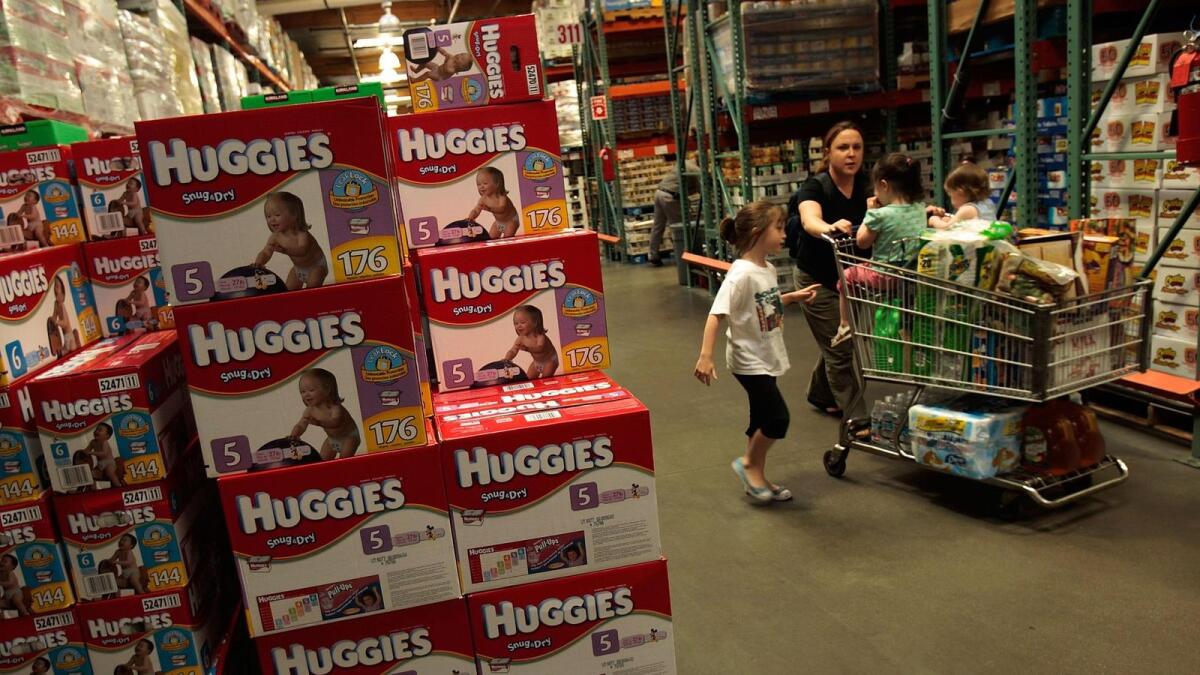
(842, 243)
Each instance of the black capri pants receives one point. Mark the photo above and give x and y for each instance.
(768, 411)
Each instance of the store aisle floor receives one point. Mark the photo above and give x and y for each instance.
(892, 569)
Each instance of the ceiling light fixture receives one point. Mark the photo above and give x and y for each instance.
(388, 23)
(388, 60)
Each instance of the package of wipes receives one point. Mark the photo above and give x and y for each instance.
(976, 443)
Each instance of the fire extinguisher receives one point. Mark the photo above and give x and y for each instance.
(607, 167)
(1185, 81)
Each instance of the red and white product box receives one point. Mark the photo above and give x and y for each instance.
(1151, 94)
(33, 563)
(474, 175)
(316, 544)
(269, 200)
(306, 377)
(426, 640)
(115, 414)
(52, 643)
(127, 285)
(1178, 321)
(170, 633)
(46, 309)
(1173, 355)
(509, 311)
(1138, 174)
(519, 402)
(1178, 285)
(22, 467)
(37, 199)
(1183, 250)
(443, 399)
(112, 188)
(420, 345)
(1170, 205)
(1179, 177)
(548, 494)
(614, 621)
(473, 63)
(138, 539)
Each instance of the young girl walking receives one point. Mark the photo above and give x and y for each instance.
(895, 220)
(750, 300)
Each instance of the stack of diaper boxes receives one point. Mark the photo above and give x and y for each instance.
(1151, 191)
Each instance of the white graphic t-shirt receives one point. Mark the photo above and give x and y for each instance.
(749, 299)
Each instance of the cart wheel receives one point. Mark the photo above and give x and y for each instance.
(835, 463)
(1010, 505)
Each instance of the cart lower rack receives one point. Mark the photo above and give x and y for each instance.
(922, 331)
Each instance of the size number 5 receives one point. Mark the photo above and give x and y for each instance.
(193, 281)
(458, 374)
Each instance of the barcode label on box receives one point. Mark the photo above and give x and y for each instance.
(418, 46)
(100, 585)
(11, 235)
(73, 477)
(110, 223)
(533, 81)
(538, 417)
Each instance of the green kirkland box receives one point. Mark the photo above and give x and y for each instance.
(38, 133)
(349, 91)
(268, 100)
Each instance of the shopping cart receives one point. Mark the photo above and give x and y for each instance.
(917, 330)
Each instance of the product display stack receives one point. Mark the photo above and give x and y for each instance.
(1152, 192)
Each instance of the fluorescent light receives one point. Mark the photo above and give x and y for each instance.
(379, 42)
(388, 22)
(389, 61)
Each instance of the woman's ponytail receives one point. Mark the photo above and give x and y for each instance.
(728, 231)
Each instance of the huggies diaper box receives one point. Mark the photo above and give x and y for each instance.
(444, 401)
(22, 467)
(51, 643)
(474, 175)
(46, 309)
(115, 414)
(112, 188)
(305, 377)
(127, 285)
(546, 494)
(420, 345)
(136, 539)
(512, 311)
(613, 621)
(33, 567)
(473, 63)
(518, 402)
(264, 201)
(37, 199)
(322, 543)
(431, 639)
(172, 632)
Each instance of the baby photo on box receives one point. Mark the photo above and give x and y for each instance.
(37, 200)
(270, 200)
(112, 188)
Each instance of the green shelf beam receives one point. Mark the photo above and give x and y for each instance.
(1105, 156)
(977, 133)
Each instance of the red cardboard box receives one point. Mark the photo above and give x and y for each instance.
(112, 187)
(542, 495)
(420, 345)
(37, 199)
(473, 175)
(473, 63)
(321, 543)
(454, 398)
(52, 644)
(604, 622)
(127, 285)
(115, 414)
(305, 377)
(514, 310)
(270, 200)
(35, 565)
(46, 309)
(23, 469)
(136, 539)
(544, 398)
(431, 639)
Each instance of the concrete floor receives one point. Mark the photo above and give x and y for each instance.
(892, 568)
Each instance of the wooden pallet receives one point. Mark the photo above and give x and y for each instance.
(634, 14)
(1161, 418)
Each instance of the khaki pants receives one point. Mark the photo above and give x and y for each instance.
(833, 381)
(666, 211)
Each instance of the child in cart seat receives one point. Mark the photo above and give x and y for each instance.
(895, 219)
(967, 186)
(750, 299)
